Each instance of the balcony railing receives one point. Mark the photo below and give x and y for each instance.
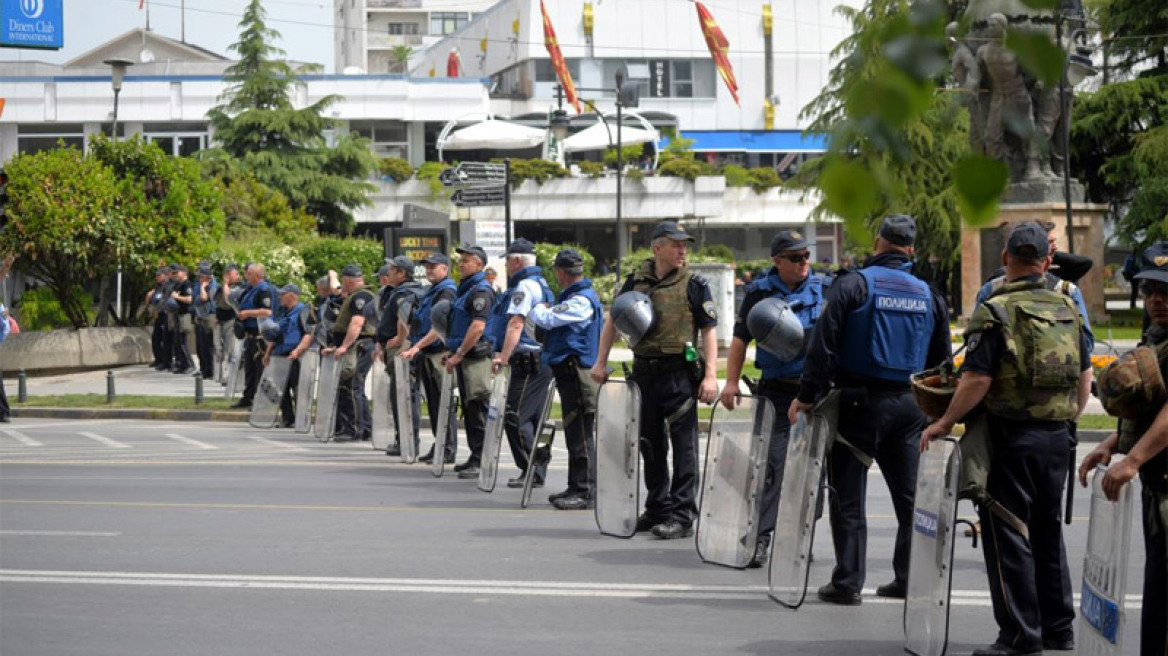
(391, 40)
(393, 4)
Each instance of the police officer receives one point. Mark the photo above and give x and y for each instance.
(1030, 585)
(353, 336)
(1145, 441)
(182, 327)
(391, 334)
(205, 324)
(256, 304)
(879, 325)
(426, 347)
(159, 337)
(789, 280)
(670, 374)
(530, 375)
(225, 316)
(573, 328)
(296, 327)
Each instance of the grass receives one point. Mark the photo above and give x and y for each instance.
(125, 401)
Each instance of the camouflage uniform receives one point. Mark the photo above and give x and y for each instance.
(1030, 341)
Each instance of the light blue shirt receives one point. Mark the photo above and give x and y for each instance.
(576, 309)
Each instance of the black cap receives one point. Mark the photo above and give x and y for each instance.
(787, 240)
(471, 249)
(383, 271)
(181, 268)
(205, 271)
(351, 271)
(570, 260)
(173, 268)
(231, 267)
(404, 264)
(290, 288)
(1154, 263)
(162, 271)
(521, 247)
(672, 230)
(436, 258)
(899, 229)
(1028, 239)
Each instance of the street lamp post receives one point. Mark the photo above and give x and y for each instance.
(1076, 68)
(118, 73)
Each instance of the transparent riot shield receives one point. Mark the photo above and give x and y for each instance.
(447, 423)
(802, 487)
(326, 397)
(265, 408)
(383, 428)
(306, 389)
(541, 449)
(493, 442)
(234, 366)
(732, 482)
(403, 401)
(930, 569)
(1101, 613)
(618, 462)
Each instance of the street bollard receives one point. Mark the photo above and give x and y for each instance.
(22, 387)
(198, 388)
(110, 394)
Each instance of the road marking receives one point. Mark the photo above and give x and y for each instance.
(282, 445)
(64, 534)
(975, 598)
(263, 506)
(186, 440)
(21, 437)
(104, 440)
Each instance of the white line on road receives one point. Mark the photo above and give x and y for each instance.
(186, 440)
(104, 440)
(282, 445)
(64, 534)
(975, 598)
(21, 437)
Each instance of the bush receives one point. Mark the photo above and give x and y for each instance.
(282, 263)
(545, 255)
(540, 170)
(736, 176)
(40, 309)
(635, 174)
(591, 169)
(429, 172)
(395, 168)
(629, 154)
(686, 168)
(718, 253)
(323, 253)
(762, 178)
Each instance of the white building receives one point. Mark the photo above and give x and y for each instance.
(376, 35)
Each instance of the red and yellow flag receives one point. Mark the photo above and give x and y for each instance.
(558, 63)
(719, 49)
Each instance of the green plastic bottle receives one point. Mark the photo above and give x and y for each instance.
(691, 353)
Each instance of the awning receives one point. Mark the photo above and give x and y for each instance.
(754, 141)
(492, 134)
(596, 137)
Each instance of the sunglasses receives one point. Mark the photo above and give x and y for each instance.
(1153, 288)
(796, 259)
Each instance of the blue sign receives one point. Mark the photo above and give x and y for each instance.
(925, 523)
(32, 24)
(1100, 612)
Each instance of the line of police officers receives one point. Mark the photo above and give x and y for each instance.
(868, 330)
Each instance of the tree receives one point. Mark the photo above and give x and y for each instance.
(1119, 134)
(282, 146)
(399, 58)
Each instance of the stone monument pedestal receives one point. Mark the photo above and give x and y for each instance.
(981, 248)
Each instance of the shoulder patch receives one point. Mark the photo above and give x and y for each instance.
(562, 307)
(358, 303)
(711, 309)
(266, 301)
(479, 303)
(972, 342)
(518, 297)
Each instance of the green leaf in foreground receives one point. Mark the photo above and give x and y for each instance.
(979, 181)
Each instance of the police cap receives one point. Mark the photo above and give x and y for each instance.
(1028, 239)
(1154, 263)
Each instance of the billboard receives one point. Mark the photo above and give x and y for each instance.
(32, 24)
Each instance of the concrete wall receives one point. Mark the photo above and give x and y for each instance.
(75, 349)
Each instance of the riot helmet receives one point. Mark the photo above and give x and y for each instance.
(633, 317)
(270, 330)
(440, 317)
(776, 328)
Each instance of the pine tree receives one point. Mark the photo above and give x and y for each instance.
(281, 145)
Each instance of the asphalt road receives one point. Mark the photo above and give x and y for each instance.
(149, 538)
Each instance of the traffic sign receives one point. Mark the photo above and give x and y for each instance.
(474, 173)
(479, 196)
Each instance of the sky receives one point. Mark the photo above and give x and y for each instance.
(305, 26)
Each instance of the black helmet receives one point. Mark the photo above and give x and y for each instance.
(270, 330)
(440, 317)
(633, 317)
(170, 305)
(775, 327)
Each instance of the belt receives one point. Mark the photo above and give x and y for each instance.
(664, 365)
(779, 385)
(571, 363)
(529, 359)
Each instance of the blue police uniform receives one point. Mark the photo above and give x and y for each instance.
(294, 324)
(427, 361)
(257, 297)
(474, 301)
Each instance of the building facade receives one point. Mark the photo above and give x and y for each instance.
(384, 36)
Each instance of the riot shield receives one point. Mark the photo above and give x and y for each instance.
(541, 448)
(493, 442)
(618, 461)
(306, 389)
(234, 366)
(265, 408)
(732, 482)
(326, 397)
(1101, 613)
(802, 486)
(930, 569)
(383, 428)
(447, 423)
(403, 401)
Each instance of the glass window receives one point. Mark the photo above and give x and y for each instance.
(447, 22)
(545, 73)
(402, 29)
(190, 145)
(32, 145)
(683, 79)
(705, 79)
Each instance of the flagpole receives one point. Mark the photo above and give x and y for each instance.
(183, 20)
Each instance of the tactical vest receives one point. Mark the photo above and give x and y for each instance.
(291, 329)
(887, 338)
(809, 295)
(368, 329)
(204, 308)
(421, 326)
(405, 298)
(580, 339)
(499, 312)
(1131, 430)
(675, 322)
(1038, 376)
(250, 302)
(460, 316)
(223, 309)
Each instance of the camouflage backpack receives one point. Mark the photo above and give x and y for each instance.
(1132, 384)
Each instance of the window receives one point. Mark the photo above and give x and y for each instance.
(682, 79)
(35, 138)
(447, 22)
(389, 138)
(403, 29)
(545, 73)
